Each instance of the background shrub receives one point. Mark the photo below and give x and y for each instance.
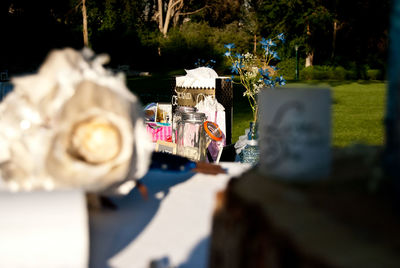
(374, 74)
(307, 73)
(195, 41)
(339, 73)
(287, 68)
(325, 72)
(316, 72)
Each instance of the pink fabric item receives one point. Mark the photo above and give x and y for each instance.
(163, 133)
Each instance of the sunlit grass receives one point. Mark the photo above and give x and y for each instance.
(357, 112)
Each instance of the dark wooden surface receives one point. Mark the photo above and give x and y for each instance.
(350, 219)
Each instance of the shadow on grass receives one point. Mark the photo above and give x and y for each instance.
(333, 83)
(153, 88)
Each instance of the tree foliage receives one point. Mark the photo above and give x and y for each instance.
(335, 32)
(223, 12)
(361, 26)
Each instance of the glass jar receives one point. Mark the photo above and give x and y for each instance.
(251, 152)
(212, 141)
(189, 131)
(177, 117)
(213, 131)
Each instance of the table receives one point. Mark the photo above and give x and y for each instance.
(54, 229)
(174, 223)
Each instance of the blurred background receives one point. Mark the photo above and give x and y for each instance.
(341, 39)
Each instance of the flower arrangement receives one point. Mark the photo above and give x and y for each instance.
(256, 71)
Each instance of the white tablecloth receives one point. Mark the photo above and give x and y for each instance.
(51, 229)
(174, 223)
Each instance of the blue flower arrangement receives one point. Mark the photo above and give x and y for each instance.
(256, 71)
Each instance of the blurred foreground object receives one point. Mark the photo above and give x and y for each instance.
(346, 220)
(295, 133)
(392, 116)
(74, 124)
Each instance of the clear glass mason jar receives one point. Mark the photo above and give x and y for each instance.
(177, 117)
(251, 152)
(212, 141)
(189, 139)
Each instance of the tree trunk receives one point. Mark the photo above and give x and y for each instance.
(168, 15)
(160, 15)
(310, 55)
(335, 28)
(255, 44)
(179, 13)
(310, 58)
(172, 13)
(85, 29)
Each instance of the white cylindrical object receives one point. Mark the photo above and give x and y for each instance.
(44, 229)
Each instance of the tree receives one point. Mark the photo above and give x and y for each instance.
(326, 31)
(171, 10)
(317, 19)
(31, 29)
(251, 22)
(85, 30)
(305, 23)
(111, 25)
(366, 30)
(222, 12)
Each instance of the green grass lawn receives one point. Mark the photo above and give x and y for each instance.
(357, 107)
(357, 111)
